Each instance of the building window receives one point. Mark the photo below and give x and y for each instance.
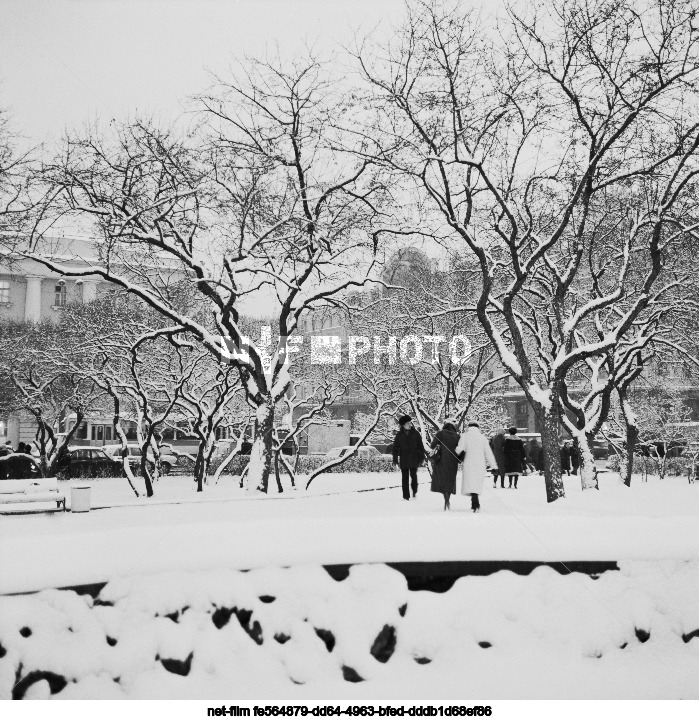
(4, 291)
(60, 295)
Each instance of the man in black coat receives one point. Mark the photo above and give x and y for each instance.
(408, 446)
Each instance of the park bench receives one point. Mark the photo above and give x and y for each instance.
(28, 490)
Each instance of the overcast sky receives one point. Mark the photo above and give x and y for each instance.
(65, 62)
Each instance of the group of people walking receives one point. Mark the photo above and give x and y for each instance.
(510, 457)
(504, 456)
(570, 459)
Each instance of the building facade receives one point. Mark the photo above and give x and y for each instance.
(30, 292)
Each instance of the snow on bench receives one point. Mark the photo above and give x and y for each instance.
(44, 490)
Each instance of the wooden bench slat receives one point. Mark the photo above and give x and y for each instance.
(29, 497)
(39, 497)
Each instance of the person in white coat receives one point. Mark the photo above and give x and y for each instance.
(477, 457)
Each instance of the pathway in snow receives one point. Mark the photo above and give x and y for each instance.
(656, 520)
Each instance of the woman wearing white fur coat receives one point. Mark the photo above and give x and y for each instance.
(477, 457)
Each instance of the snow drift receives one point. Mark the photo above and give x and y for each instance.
(297, 633)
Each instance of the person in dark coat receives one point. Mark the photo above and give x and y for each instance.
(497, 445)
(515, 456)
(566, 455)
(445, 462)
(537, 456)
(574, 459)
(408, 447)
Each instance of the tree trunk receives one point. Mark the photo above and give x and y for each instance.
(631, 441)
(548, 422)
(148, 478)
(587, 469)
(61, 449)
(43, 435)
(661, 461)
(200, 466)
(124, 455)
(261, 454)
(280, 488)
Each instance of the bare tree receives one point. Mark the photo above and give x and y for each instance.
(209, 401)
(17, 178)
(384, 398)
(258, 201)
(127, 351)
(34, 379)
(578, 112)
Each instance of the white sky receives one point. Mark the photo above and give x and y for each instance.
(65, 62)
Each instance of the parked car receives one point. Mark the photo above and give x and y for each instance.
(167, 460)
(18, 466)
(599, 448)
(362, 452)
(675, 448)
(89, 462)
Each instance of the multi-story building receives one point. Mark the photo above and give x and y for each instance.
(30, 292)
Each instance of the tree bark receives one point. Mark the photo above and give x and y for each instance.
(200, 466)
(261, 454)
(548, 422)
(280, 488)
(632, 434)
(587, 469)
(121, 435)
(148, 478)
(631, 441)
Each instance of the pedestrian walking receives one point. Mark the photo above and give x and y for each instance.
(445, 461)
(477, 457)
(408, 454)
(574, 458)
(497, 445)
(515, 457)
(566, 455)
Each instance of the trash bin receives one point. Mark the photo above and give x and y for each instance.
(80, 499)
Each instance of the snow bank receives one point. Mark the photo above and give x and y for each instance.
(297, 633)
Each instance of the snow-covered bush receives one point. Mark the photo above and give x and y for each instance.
(677, 466)
(352, 465)
(307, 464)
(651, 467)
(643, 464)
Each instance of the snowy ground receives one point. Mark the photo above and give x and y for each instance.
(296, 633)
(333, 523)
(184, 622)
